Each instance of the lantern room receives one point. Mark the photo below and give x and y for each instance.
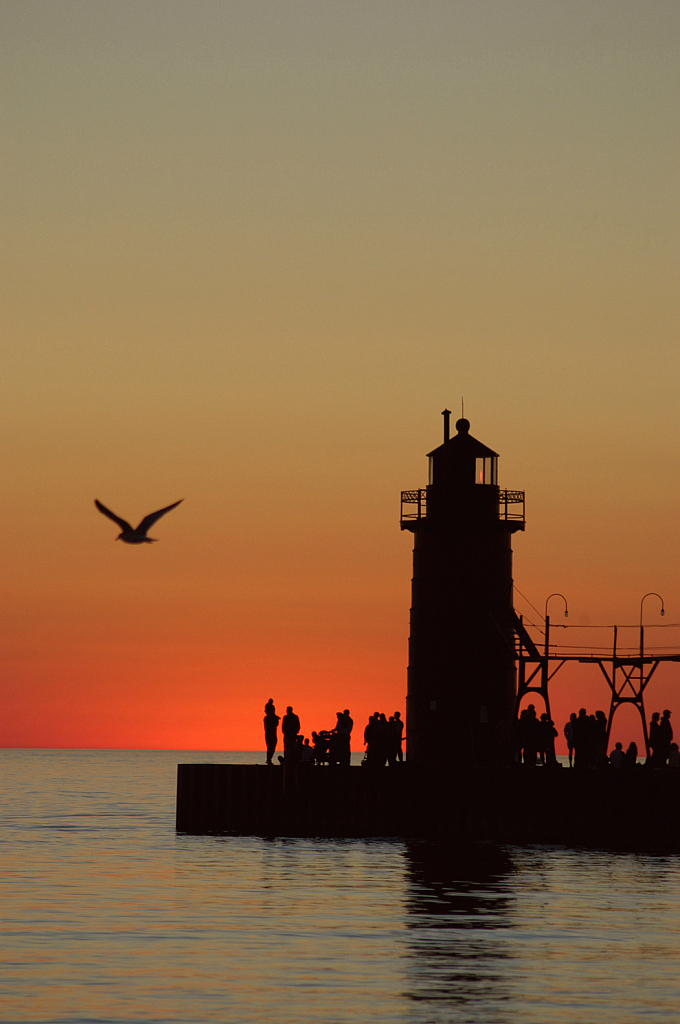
(462, 460)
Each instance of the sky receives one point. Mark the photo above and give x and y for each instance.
(250, 251)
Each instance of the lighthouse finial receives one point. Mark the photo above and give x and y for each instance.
(447, 420)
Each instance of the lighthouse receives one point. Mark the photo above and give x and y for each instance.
(461, 672)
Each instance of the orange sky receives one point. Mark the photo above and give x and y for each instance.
(251, 250)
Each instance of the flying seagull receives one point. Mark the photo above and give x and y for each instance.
(137, 536)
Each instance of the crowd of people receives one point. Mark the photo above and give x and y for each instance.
(382, 738)
(536, 738)
(586, 737)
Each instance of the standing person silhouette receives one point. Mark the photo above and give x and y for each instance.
(290, 727)
(665, 738)
(581, 739)
(271, 724)
(569, 736)
(369, 739)
(530, 739)
(548, 732)
(382, 740)
(343, 731)
(654, 741)
(398, 727)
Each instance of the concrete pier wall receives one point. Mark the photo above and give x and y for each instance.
(627, 810)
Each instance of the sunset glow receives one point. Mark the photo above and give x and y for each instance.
(251, 252)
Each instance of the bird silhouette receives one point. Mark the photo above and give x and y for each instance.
(138, 535)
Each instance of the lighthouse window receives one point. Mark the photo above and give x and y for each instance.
(486, 471)
(430, 470)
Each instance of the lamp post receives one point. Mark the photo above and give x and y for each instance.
(652, 593)
(547, 623)
(545, 671)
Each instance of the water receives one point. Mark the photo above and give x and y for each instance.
(108, 915)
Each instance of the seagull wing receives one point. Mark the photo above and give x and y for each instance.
(107, 512)
(148, 521)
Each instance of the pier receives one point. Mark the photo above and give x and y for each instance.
(610, 809)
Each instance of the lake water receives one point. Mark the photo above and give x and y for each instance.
(109, 916)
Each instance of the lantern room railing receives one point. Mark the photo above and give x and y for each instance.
(414, 507)
(408, 500)
(514, 498)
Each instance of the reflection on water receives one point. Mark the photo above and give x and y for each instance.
(529, 936)
(456, 905)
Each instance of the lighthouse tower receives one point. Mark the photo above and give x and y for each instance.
(461, 675)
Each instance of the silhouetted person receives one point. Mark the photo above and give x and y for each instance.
(548, 734)
(529, 735)
(582, 732)
(600, 740)
(334, 745)
(383, 741)
(343, 731)
(396, 729)
(569, 736)
(271, 723)
(322, 746)
(369, 739)
(307, 753)
(630, 757)
(399, 730)
(349, 723)
(391, 749)
(617, 756)
(290, 727)
(319, 748)
(674, 756)
(655, 741)
(665, 737)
